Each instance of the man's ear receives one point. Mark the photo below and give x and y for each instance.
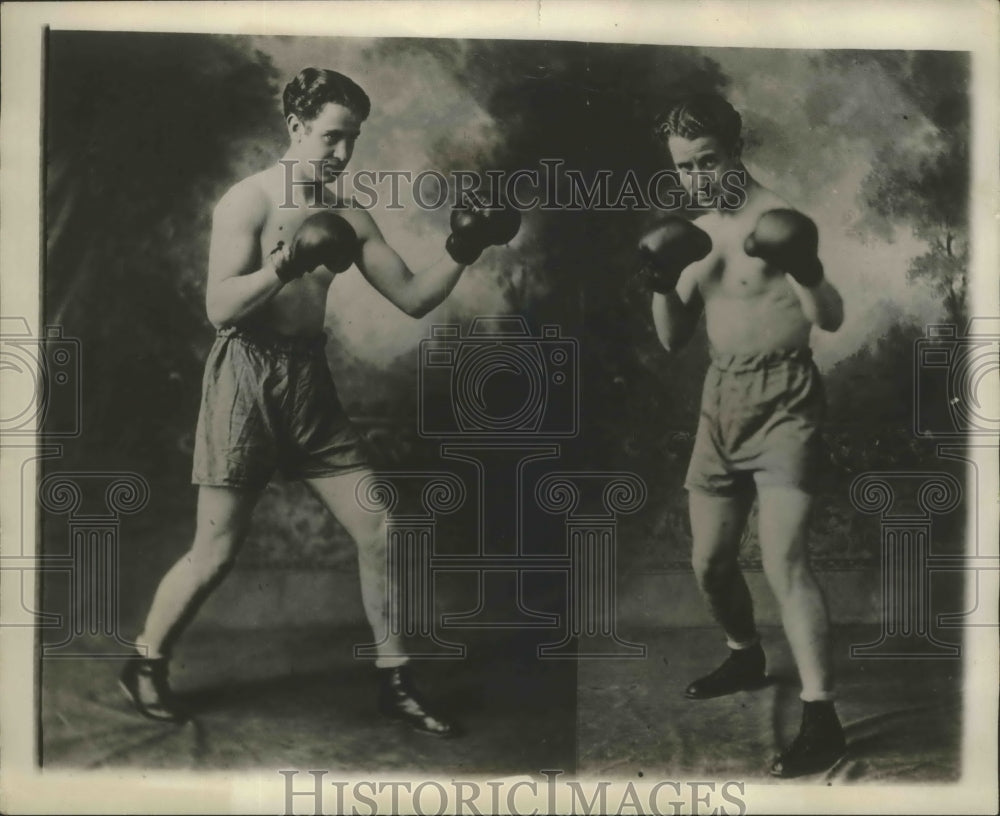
(296, 127)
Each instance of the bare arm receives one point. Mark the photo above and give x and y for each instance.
(676, 313)
(238, 284)
(385, 270)
(788, 240)
(821, 304)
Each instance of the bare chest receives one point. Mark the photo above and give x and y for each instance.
(731, 273)
(281, 225)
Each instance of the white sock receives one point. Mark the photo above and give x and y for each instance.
(817, 696)
(391, 661)
(739, 646)
(145, 650)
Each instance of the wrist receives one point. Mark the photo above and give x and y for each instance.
(462, 250)
(809, 274)
(280, 262)
(658, 279)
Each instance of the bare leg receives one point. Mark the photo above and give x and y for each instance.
(784, 518)
(717, 524)
(223, 515)
(222, 519)
(368, 531)
(398, 698)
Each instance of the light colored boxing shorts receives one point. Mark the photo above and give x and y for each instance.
(760, 423)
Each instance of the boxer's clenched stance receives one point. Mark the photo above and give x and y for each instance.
(755, 274)
(268, 401)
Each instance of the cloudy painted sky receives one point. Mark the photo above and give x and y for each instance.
(813, 132)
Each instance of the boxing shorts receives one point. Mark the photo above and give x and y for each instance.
(269, 404)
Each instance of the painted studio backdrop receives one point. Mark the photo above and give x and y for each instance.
(144, 132)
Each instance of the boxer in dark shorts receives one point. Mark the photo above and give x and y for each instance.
(269, 403)
(753, 269)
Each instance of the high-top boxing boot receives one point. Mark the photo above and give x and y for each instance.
(144, 682)
(819, 744)
(743, 670)
(399, 700)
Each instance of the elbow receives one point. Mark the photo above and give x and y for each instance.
(673, 339)
(415, 310)
(416, 307)
(219, 317)
(670, 342)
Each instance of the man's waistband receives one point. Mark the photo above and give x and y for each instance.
(752, 362)
(281, 343)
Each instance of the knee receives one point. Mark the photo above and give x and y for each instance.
(786, 571)
(369, 532)
(213, 552)
(373, 547)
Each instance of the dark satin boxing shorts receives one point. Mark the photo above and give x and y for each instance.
(761, 420)
(269, 404)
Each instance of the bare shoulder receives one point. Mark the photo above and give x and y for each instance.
(709, 222)
(769, 200)
(695, 275)
(246, 202)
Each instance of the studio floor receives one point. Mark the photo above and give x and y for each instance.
(903, 719)
(276, 699)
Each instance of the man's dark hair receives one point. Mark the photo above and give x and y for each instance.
(306, 95)
(704, 114)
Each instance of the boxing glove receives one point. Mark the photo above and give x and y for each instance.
(789, 241)
(474, 228)
(323, 239)
(668, 249)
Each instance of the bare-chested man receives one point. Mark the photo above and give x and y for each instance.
(269, 403)
(753, 270)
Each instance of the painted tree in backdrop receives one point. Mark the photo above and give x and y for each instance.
(143, 133)
(924, 182)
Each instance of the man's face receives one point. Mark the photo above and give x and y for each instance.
(328, 138)
(700, 156)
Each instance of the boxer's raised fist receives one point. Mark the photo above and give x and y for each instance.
(668, 249)
(789, 241)
(323, 239)
(474, 228)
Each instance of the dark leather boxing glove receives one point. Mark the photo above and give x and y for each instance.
(323, 239)
(789, 241)
(668, 249)
(474, 228)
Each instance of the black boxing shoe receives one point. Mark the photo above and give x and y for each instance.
(819, 745)
(743, 670)
(399, 700)
(144, 682)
